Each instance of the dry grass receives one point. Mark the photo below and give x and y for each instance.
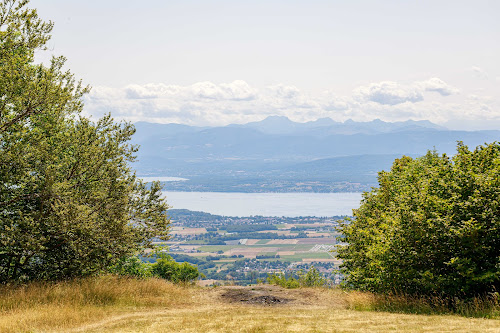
(285, 319)
(485, 307)
(111, 304)
(41, 307)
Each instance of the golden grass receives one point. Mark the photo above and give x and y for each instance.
(285, 319)
(112, 304)
(58, 306)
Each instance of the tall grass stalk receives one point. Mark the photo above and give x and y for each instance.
(478, 307)
(100, 291)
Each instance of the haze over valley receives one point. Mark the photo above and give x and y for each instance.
(279, 155)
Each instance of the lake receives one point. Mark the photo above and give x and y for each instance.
(148, 179)
(266, 204)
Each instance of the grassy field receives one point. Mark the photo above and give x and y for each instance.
(215, 248)
(282, 247)
(260, 249)
(307, 255)
(111, 304)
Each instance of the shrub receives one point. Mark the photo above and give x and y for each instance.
(312, 278)
(280, 279)
(165, 268)
(168, 269)
(132, 266)
(431, 228)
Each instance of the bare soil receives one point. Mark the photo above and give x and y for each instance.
(263, 295)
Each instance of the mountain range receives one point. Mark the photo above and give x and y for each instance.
(276, 150)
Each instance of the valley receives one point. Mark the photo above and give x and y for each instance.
(244, 250)
(279, 155)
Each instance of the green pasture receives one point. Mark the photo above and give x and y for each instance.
(215, 248)
(307, 255)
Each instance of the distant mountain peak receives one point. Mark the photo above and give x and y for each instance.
(323, 121)
(283, 119)
(274, 125)
(282, 125)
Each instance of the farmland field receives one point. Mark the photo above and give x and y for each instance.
(241, 248)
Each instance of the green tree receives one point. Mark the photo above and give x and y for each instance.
(167, 268)
(70, 205)
(431, 227)
(311, 278)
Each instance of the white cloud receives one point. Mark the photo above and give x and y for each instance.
(479, 72)
(208, 103)
(394, 93)
(237, 91)
(207, 90)
(287, 99)
(286, 92)
(135, 91)
(389, 93)
(106, 93)
(332, 102)
(437, 85)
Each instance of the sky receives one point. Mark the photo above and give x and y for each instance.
(220, 62)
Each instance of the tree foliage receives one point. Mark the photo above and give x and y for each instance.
(70, 205)
(165, 268)
(311, 278)
(432, 227)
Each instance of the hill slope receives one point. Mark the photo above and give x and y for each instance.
(126, 305)
(255, 154)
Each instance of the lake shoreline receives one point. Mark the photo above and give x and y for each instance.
(265, 204)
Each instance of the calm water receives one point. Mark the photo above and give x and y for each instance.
(161, 179)
(266, 204)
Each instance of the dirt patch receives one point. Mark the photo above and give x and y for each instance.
(189, 247)
(321, 260)
(313, 234)
(278, 232)
(267, 300)
(250, 252)
(286, 253)
(255, 296)
(283, 241)
(316, 240)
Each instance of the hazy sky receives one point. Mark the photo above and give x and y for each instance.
(219, 62)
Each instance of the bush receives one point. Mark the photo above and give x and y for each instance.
(132, 266)
(280, 279)
(431, 228)
(164, 268)
(312, 278)
(167, 268)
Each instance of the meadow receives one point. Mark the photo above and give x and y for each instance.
(112, 304)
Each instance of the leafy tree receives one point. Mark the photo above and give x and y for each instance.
(171, 270)
(70, 205)
(165, 268)
(431, 227)
(311, 278)
(132, 266)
